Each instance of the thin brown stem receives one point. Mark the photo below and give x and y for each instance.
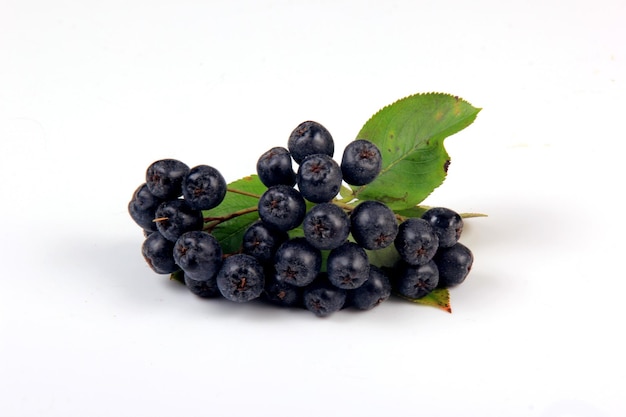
(213, 222)
(236, 191)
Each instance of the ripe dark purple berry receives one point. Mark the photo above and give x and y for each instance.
(373, 225)
(175, 217)
(198, 254)
(361, 162)
(322, 298)
(204, 187)
(282, 207)
(142, 207)
(203, 288)
(309, 138)
(241, 278)
(348, 266)
(164, 178)
(319, 178)
(447, 224)
(416, 281)
(326, 226)
(262, 241)
(373, 292)
(274, 168)
(297, 262)
(159, 254)
(454, 264)
(416, 241)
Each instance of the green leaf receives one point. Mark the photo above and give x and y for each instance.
(410, 135)
(242, 197)
(439, 298)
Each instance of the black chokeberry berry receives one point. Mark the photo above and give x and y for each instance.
(274, 168)
(241, 278)
(204, 187)
(309, 138)
(361, 162)
(373, 225)
(164, 178)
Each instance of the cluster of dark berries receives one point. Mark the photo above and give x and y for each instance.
(324, 267)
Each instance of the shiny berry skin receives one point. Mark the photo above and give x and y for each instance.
(416, 281)
(373, 292)
(373, 225)
(274, 168)
(198, 254)
(297, 262)
(319, 178)
(203, 288)
(159, 254)
(326, 226)
(282, 207)
(310, 138)
(204, 187)
(416, 241)
(322, 298)
(454, 264)
(142, 207)
(348, 266)
(280, 293)
(164, 178)
(447, 224)
(241, 278)
(361, 162)
(262, 241)
(175, 217)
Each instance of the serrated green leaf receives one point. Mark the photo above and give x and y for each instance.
(410, 135)
(439, 298)
(242, 195)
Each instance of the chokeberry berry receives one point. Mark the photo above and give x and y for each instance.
(297, 262)
(159, 254)
(309, 138)
(373, 292)
(348, 266)
(373, 225)
(175, 217)
(274, 168)
(319, 178)
(326, 226)
(198, 254)
(165, 178)
(142, 207)
(447, 224)
(204, 288)
(282, 207)
(204, 187)
(262, 241)
(454, 264)
(322, 298)
(361, 162)
(416, 241)
(241, 278)
(416, 281)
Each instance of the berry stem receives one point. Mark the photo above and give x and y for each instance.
(213, 222)
(236, 191)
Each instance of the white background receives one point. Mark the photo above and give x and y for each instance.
(92, 92)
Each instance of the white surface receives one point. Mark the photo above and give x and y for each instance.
(92, 92)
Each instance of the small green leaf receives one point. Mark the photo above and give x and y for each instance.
(178, 276)
(242, 196)
(410, 135)
(439, 298)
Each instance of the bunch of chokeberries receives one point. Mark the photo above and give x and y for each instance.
(323, 268)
